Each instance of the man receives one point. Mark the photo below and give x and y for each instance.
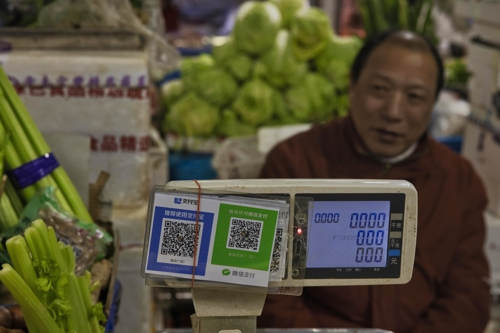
(395, 81)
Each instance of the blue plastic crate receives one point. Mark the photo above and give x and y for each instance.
(113, 310)
(453, 142)
(189, 165)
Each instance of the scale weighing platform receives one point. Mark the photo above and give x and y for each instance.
(234, 241)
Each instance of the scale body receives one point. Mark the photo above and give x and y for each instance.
(342, 232)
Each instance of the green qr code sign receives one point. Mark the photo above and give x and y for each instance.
(244, 237)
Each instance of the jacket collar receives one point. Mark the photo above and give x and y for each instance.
(357, 160)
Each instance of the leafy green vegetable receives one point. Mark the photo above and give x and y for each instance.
(338, 74)
(232, 126)
(412, 15)
(279, 66)
(288, 9)
(4, 140)
(37, 316)
(256, 26)
(44, 282)
(342, 105)
(216, 86)
(256, 102)
(457, 73)
(310, 32)
(339, 48)
(192, 116)
(311, 100)
(171, 91)
(336, 59)
(230, 58)
(29, 144)
(192, 67)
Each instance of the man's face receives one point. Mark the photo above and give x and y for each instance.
(391, 103)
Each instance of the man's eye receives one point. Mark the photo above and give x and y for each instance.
(416, 97)
(379, 88)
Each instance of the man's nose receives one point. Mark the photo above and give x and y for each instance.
(395, 106)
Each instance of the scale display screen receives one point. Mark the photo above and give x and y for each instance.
(354, 236)
(348, 234)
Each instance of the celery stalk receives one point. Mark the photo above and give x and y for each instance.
(10, 191)
(377, 14)
(43, 237)
(84, 283)
(13, 161)
(35, 244)
(8, 216)
(56, 251)
(61, 177)
(367, 19)
(50, 277)
(20, 255)
(4, 140)
(426, 19)
(78, 312)
(403, 14)
(32, 308)
(24, 147)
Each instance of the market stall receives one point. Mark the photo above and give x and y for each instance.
(104, 100)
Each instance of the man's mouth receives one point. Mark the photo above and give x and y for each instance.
(387, 135)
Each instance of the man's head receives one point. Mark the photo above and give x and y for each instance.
(395, 80)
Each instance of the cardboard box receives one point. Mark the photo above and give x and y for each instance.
(492, 250)
(482, 147)
(103, 94)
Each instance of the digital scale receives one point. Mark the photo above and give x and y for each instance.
(261, 236)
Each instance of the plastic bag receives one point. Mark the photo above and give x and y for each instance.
(238, 158)
(117, 14)
(449, 115)
(88, 240)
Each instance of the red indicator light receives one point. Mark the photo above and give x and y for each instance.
(299, 231)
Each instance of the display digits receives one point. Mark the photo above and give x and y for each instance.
(369, 238)
(327, 218)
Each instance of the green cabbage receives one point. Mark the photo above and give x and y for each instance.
(171, 91)
(256, 102)
(231, 125)
(312, 100)
(288, 9)
(310, 32)
(336, 59)
(191, 116)
(342, 107)
(216, 86)
(192, 67)
(256, 26)
(282, 114)
(338, 73)
(230, 58)
(279, 66)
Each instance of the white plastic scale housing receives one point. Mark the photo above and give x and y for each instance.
(218, 310)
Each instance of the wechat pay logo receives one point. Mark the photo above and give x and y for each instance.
(226, 272)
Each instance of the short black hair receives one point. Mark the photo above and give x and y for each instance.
(372, 42)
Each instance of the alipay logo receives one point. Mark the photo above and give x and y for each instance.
(178, 200)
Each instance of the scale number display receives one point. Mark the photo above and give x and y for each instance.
(346, 234)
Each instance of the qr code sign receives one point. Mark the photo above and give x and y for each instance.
(178, 238)
(244, 234)
(275, 262)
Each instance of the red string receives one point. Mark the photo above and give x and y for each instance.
(196, 232)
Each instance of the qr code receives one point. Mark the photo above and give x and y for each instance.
(244, 234)
(275, 261)
(178, 238)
